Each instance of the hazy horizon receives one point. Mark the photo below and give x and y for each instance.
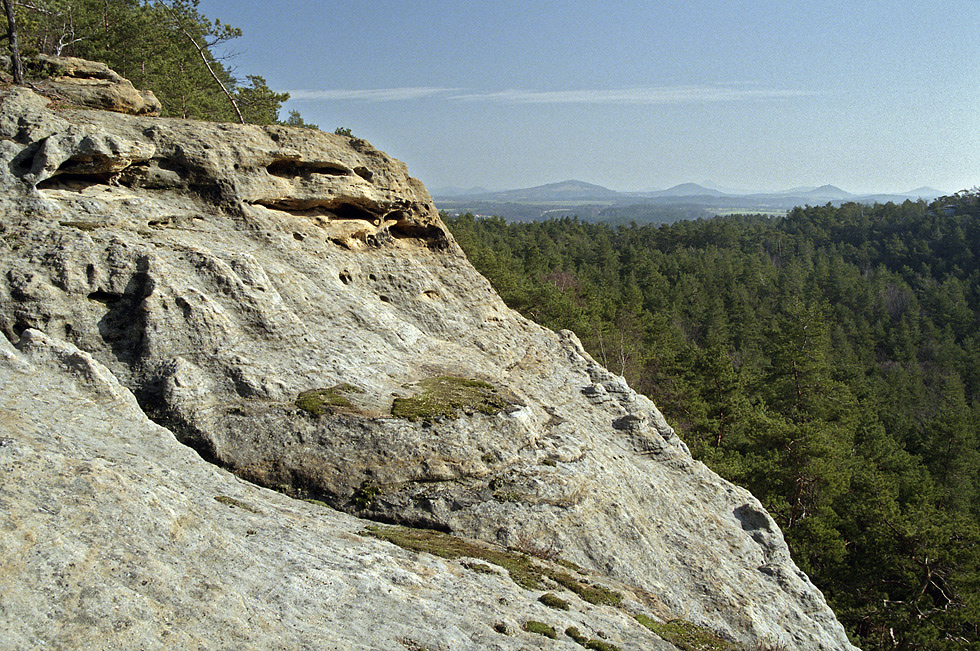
(872, 97)
(706, 184)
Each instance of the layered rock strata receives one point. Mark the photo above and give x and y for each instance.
(289, 304)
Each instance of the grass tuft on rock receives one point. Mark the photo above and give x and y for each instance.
(687, 636)
(446, 396)
(319, 402)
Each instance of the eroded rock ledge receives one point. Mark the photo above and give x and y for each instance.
(221, 272)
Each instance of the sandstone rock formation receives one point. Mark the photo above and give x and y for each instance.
(115, 536)
(289, 304)
(93, 84)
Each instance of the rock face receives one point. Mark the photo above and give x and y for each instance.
(94, 84)
(289, 304)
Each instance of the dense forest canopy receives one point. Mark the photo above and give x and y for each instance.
(166, 46)
(829, 361)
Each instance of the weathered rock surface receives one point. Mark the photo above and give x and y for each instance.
(94, 84)
(219, 271)
(115, 536)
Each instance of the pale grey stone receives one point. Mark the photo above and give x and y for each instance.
(224, 269)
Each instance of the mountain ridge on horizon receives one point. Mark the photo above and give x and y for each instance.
(592, 202)
(582, 190)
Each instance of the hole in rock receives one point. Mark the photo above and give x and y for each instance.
(351, 211)
(76, 182)
(104, 297)
(292, 168)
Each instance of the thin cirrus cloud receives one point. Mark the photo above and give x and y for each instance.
(371, 95)
(641, 95)
(644, 95)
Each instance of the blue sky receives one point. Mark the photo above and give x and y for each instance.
(867, 95)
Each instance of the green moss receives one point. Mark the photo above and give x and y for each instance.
(593, 594)
(446, 396)
(553, 601)
(318, 402)
(576, 635)
(482, 568)
(528, 574)
(231, 501)
(507, 496)
(599, 645)
(570, 565)
(367, 493)
(687, 636)
(520, 568)
(540, 628)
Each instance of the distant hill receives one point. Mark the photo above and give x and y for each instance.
(828, 192)
(688, 190)
(592, 202)
(926, 193)
(562, 191)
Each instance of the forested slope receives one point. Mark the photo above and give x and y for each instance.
(829, 361)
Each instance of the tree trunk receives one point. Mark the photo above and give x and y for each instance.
(15, 62)
(204, 58)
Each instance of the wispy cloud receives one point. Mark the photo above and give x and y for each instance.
(644, 95)
(692, 94)
(372, 95)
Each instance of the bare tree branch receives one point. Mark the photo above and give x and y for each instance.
(40, 10)
(201, 51)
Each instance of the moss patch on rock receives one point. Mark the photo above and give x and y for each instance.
(446, 396)
(482, 568)
(540, 628)
(687, 636)
(594, 594)
(525, 572)
(319, 402)
(599, 645)
(553, 601)
(366, 493)
(576, 635)
(522, 570)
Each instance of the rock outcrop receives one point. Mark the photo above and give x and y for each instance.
(115, 536)
(93, 84)
(289, 304)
